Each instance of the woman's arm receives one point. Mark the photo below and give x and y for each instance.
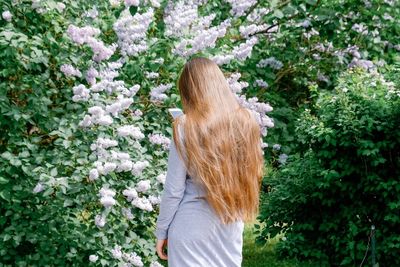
(174, 189)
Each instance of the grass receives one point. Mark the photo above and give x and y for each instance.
(264, 256)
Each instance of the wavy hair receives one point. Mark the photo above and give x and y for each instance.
(221, 141)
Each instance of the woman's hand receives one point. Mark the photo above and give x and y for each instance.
(160, 246)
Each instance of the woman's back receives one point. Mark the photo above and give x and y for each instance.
(196, 235)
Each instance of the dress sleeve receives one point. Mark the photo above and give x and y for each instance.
(174, 188)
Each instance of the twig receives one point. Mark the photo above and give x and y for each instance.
(289, 18)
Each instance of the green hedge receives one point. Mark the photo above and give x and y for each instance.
(344, 178)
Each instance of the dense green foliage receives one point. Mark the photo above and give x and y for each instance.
(308, 44)
(344, 177)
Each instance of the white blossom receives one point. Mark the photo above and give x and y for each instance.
(7, 15)
(130, 130)
(38, 188)
(70, 71)
(116, 252)
(272, 62)
(130, 193)
(157, 93)
(139, 166)
(159, 139)
(100, 220)
(142, 203)
(93, 174)
(143, 186)
(161, 178)
(93, 258)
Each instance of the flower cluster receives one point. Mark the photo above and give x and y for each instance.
(159, 139)
(131, 31)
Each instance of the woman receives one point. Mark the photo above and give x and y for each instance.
(215, 166)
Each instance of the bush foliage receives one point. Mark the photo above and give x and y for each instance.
(344, 177)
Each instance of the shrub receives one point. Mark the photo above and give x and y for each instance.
(344, 177)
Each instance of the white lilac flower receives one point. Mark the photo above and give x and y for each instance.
(138, 113)
(155, 200)
(105, 191)
(246, 31)
(195, 33)
(222, 59)
(178, 18)
(155, 264)
(261, 83)
(133, 258)
(107, 195)
(234, 83)
(92, 13)
(127, 213)
(143, 186)
(93, 258)
(139, 166)
(107, 201)
(311, 33)
(159, 139)
(263, 145)
(133, 90)
(86, 122)
(360, 28)
(85, 35)
(130, 193)
(159, 60)
(151, 75)
(282, 158)
(104, 143)
(161, 178)
(100, 220)
(272, 62)
(124, 166)
(93, 174)
(276, 147)
(142, 203)
(243, 51)
(81, 35)
(38, 188)
(131, 31)
(387, 16)
(81, 93)
(116, 252)
(129, 3)
(240, 7)
(60, 6)
(120, 105)
(7, 15)
(306, 23)
(69, 70)
(109, 167)
(115, 3)
(259, 111)
(105, 120)
(365, 64)
(91, 75)
(157, 93)
(130, 130)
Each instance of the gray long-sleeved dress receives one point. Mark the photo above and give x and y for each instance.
(196, 236)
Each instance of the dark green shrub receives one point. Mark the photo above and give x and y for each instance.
(344, 178)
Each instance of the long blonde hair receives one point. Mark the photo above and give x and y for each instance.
(221, 141)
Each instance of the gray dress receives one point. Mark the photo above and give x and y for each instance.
(196, 236)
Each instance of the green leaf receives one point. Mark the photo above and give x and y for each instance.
(278, 13)
(133, 10)
(3, 180)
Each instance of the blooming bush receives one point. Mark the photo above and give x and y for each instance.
(85, 121)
